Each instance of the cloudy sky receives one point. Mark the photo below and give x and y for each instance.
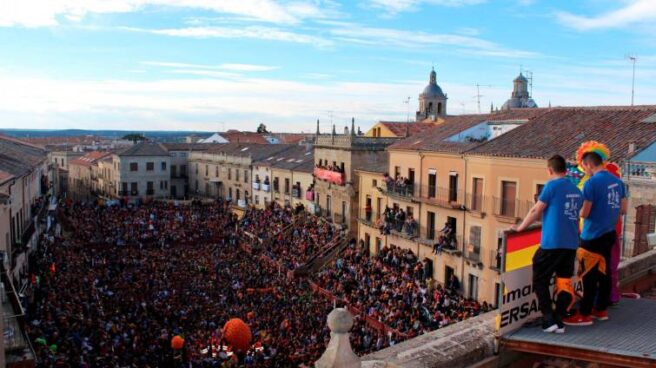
(220, 64)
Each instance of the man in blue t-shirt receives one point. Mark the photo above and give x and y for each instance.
(604, 201)
(559, 205)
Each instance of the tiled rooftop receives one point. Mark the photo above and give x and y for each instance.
(145, 149)
(562, 130)
(434, 139)
(17, 157)
(90, 158)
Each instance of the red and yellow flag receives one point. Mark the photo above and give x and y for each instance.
(520, 248)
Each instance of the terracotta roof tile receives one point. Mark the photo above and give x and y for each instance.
(90, 158)
(562, 130)
(399, 128)
(434, 139)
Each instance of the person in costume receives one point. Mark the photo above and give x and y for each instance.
(604, 201)
(558, 205)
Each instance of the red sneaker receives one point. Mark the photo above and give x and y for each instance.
(578, 320)
(600, 315)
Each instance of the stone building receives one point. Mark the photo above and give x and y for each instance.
(640, 222)
(292, 177)
(180, 154)
(481, 184)
(85, 177)
(520, 97)
(60, 159)
(336, 159)
(432, 101)
(225, 171)
(143, 171)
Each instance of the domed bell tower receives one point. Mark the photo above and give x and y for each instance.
(432, 101)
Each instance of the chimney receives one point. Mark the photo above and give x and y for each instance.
(632, 148)
(352, 126)
(318, 127)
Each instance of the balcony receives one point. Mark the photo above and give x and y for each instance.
(642, 171)
(123, 193)
(296, 193)
(401, 191)
(256, 185)
(18, 348)
(473, 255)
(443, 197)
(150, 192)
(369, 219)
(266, 187)
(511, 210)
(448, 247)
(494, 260)
(405, 229)
(134, 192)
(330, 176)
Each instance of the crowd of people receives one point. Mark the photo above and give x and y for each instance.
(396, 219)
(292, 236)
(124, 280)
(395, 288)
(399, 185)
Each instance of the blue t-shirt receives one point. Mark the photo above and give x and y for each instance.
(560, 220)
(606, 192)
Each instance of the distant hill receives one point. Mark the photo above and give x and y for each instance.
(161, 136)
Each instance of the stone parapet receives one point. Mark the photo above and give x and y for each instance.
(458, 345)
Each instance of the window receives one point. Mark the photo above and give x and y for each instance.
(207, 170)
(229, 193)
(174, 171)
(275, 185)
(257, 199)
(329, 205)
(538, 191)
(343, 211)
(379, 207)
(374, 183)
(287, 186)
(397, 171)
(473, 286)
(453, 187)
(430, 226)
(196, 168)
(409, 211)
(245, 176)
(237, 194)
(196, 186)
(183, 170)
(474, 246)
(150, 166)
(134, 188)
(508, 195)
(150, 188)
(236, 174)
(229, 173)
(216, 171)
(477, 195)
(163, 166)
(432, 185)
(134, 166)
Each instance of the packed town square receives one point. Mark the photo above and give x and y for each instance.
(155, 285)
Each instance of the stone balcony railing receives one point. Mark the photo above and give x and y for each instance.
(641, 171)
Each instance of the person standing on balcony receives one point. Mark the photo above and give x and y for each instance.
(558, 205)
(604, 202)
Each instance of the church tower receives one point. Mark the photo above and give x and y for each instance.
(432, 101)
(520, 97)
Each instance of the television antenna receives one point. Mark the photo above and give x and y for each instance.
(632, 59)
(479, 95)
(407, 102)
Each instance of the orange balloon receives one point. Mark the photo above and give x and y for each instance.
(177, 342)
(237, 334)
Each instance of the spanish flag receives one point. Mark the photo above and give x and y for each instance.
(520, 248)
(52, 267)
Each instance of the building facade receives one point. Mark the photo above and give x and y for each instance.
(143, 171)
(336, 160)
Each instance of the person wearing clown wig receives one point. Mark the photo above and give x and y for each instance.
(604, 201)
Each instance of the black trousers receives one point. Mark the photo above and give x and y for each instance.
(597, 285)
(546, 263)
